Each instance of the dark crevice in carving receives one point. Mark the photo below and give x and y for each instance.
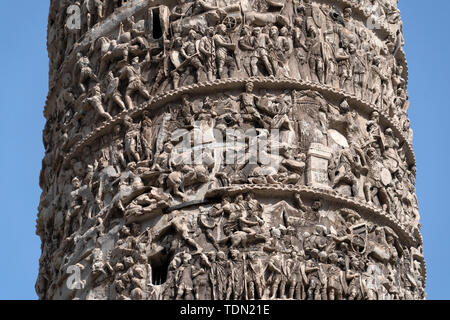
(160, 266)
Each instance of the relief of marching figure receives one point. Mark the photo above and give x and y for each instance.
(198, 42)
(229, 150)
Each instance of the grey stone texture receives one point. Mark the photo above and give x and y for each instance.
(228, 149)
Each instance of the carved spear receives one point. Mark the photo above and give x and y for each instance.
(244, 267)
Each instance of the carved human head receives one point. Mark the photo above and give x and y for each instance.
(352, 47)
(347, 12)
(389, 47)
(257, 31)
(389, 239)
(131, 166)
(375, 116)
(226, 199)
(210, 31)
(249, 196)
(135, 61)
(125, 231)
(344, 107)
(67, 79)
(168, 147)
(139, 272)
(376, 60)
(221, 29)
(221, 255)
(146, 114)
(249, 86)
(119, 286)
(187, 257)
(110, 76)
(316, 205)
(177, 42)
(76, 184)
(135, 229)
(176, 261)
(344, 247)
(319, 229)
(298, 21)
(246, 30)
(413, 170)
(128, 262)
(128, 120)
(212, 256)
(323, 256)
(117, 129)
(333, 258)
(119, 267)
(192, 34)
(234, 254)
(406, 125)
(276, 233)
(354, 263)
(363, 34)
(274, 32)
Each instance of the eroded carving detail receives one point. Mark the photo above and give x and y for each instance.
(229, 150)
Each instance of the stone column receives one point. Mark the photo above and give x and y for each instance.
(307, 171)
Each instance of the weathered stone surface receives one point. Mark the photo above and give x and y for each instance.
(239, 149)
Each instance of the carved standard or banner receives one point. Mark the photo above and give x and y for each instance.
(228, 150)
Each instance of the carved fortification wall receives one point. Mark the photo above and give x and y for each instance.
(228, 149)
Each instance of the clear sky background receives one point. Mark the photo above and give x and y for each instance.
(23, 90)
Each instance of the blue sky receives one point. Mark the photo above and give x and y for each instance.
(23, 89)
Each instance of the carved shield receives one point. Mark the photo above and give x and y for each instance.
(207, 221)
(386, 177)
(318, 16)
(175, 58)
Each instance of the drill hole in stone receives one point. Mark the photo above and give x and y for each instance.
(157, 32)
(160, 266)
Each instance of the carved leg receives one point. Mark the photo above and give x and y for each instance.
(275, 285)
(119, 102)
(320, 71)
(144, 92)
(128, 99)
(254, 66)
(97, 105)
(251, 290)
(268, 65)
(292, 287)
